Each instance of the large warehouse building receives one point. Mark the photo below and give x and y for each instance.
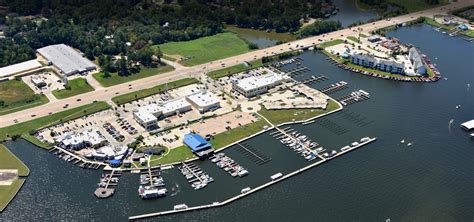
(67, 60)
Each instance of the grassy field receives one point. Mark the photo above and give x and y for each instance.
(115, 78)
(331, 43)
(25, 127)
(206, 49)
(353, 38)
(7, 193)
(15, 95)
(282, 116)
(73, 87)
(234, 69)
(223, 139)
(430, 21)
(283, 37)
(129, 97)
(8, 160)
(469, 33)
(177, 154)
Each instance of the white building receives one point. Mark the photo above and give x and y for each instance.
(416, 59)
(147, 116)
(67, 60)
(386, 65)
(77, 141)
(256, 85)
(38, 81)
(21, 67)
(204, 101)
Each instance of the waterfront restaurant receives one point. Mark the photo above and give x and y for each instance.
(198, 145)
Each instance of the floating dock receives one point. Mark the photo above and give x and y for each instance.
(334, 87)
(354, 97)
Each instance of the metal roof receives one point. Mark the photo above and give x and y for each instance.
(68, 60)
(196, 142)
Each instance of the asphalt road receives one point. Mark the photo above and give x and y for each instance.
(105, 94)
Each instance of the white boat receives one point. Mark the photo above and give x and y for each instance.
(403, 141)
(243, 173)
(180, 207)
(245, 190)
(472, 135)
(409, 144)
(276, 176)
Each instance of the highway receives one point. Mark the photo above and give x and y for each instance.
(105, 94)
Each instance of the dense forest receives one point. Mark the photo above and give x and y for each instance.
(106, 28)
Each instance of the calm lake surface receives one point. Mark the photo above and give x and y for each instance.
(350, 13)
(430, 181)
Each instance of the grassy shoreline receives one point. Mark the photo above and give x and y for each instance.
(8, 160)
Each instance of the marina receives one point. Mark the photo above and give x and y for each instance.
(314, 79)
(74, 159)
(229, 165)
(195, 176)
(152, 184)
(273, 180)
(299, 143)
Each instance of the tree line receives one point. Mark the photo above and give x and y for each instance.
(131, 28)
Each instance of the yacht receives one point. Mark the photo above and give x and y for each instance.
(180, 207)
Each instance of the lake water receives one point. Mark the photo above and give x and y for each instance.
(349, 13)
(430, 181)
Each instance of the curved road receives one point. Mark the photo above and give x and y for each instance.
(105, 94)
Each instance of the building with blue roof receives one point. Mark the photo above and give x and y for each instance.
(198, 144)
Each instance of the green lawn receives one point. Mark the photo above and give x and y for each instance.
(283, 116)
(223, 139)
(129, 97)
(169, 58)
(206, 49)
(469, 33)
(8, 160)
(115, 79)
(56, 118)
(235, 69)
(331, 43)
(73, 87)
(283, 37)
(177, 154)
(15, 95)
(432, 22)
(7, 193)
(353, 38)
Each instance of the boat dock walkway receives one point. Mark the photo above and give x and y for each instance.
(107, 185)
(313, 79)
(354, 97)
(251, 191)
(334, 87)
(297, 70)
(75, 159)
(252, 154)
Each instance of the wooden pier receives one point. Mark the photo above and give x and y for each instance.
(354, 97)
(334, 87)
(107, 185)
(314, 79)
